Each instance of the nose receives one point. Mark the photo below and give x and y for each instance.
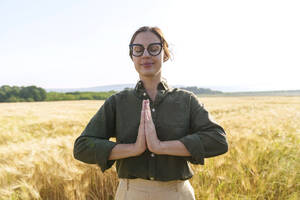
(145, 53)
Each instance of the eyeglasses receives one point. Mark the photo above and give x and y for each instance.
(153, 49)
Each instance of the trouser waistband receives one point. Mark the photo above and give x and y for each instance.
(150, 185)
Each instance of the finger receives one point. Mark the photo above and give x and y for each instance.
(148, 122)
(145, 111)
(147, 118)
(148, 111)
(142, 113)
(145, 105)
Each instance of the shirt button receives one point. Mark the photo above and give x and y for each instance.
(153, 110)
(152, 154)
(152, 178)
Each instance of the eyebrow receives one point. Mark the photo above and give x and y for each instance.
(148, 44)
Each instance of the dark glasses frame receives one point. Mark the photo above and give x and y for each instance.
(143, 49)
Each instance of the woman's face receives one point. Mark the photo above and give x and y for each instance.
(147, 65)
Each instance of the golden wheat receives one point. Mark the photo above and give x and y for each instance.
(263, 162)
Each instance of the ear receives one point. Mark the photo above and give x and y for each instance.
(163, 59)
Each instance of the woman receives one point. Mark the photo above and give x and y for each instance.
(158, 129)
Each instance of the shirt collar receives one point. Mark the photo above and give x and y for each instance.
(162, 86)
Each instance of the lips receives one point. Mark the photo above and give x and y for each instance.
(147, 64)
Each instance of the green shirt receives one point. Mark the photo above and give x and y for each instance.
(177, 115)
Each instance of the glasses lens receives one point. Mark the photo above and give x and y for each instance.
(137, 50)
(154, 49)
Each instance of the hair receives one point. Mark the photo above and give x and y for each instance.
(159, 34)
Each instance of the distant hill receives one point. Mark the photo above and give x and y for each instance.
(196, 90)
(104, 88)
(265, 93)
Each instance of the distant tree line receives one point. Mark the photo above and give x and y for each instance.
(197, 90)
(57, 96)
(20, 94)
(33, 93)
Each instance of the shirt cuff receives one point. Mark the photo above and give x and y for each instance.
(103, 149)
(194, 145)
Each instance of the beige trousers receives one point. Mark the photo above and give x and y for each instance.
(140, 189)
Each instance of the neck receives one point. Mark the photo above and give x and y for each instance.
(150, 83)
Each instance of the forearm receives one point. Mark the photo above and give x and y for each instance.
(173, 147)
(123, 151)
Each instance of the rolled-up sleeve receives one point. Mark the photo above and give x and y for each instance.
(206, 138)
(93, 145)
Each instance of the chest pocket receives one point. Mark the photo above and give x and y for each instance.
(174, 114)
(173, 120)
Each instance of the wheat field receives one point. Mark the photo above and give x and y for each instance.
(263, 162)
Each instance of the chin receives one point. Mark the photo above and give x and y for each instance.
(147, 74)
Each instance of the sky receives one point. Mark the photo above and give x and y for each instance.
(232, 45)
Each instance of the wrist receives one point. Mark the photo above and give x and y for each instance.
(137, 150)
(159, 148)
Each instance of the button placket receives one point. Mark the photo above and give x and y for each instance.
(151, 171)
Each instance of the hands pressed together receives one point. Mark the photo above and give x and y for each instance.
(147, 137)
